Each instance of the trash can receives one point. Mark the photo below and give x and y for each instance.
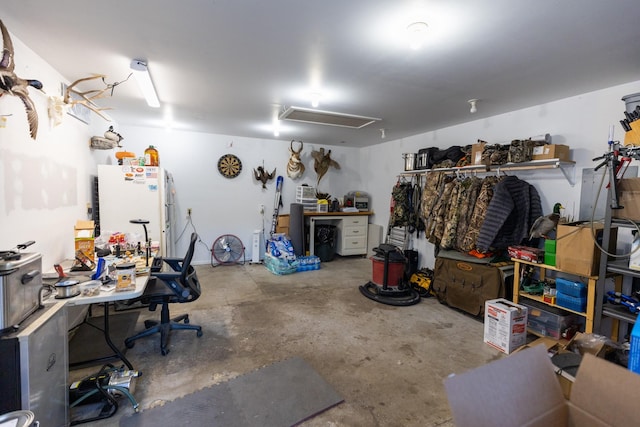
(325, 242)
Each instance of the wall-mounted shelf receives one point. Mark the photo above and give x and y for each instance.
(566, 166)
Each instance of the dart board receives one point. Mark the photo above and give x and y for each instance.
(229, 166)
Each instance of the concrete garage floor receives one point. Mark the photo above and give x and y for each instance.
(387, 362)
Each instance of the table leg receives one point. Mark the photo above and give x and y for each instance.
(110, 343)
(107, 337)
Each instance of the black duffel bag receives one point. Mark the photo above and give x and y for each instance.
(431, 157)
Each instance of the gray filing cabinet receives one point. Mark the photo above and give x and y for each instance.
(34, 367)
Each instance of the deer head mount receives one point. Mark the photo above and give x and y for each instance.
(295, 167)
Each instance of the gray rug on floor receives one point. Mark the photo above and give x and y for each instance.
(282, 394)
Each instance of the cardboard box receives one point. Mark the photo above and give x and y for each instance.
(505, 324)
(282, 226)
(84, 238)
(629, 199)
(526, 253)
(476, 153)
(551, 151)
(522, 390)
(576, 251)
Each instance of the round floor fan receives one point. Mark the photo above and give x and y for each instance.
(228, 249)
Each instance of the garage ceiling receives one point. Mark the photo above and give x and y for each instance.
(232, 66)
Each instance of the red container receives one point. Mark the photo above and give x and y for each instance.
(394, 274)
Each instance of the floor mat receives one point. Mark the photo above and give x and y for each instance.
(88, 341)
(282, 394)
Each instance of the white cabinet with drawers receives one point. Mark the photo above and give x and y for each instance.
(351, 236)
(352, 231)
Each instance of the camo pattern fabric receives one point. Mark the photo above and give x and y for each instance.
(467, 240)
(466, 160)
(473, 185)
(521, 151)
(400, 201)
(495, 154)
(433, 184)
(440, 210)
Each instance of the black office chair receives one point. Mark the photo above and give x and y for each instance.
(178, 286)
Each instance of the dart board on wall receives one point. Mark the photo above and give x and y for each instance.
(229, 166)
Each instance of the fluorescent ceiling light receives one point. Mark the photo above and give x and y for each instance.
(141, 73)
(329, 118)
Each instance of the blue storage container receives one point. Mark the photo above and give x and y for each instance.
(571, 302)
(571, 288)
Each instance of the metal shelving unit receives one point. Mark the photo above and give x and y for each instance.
(619, 268)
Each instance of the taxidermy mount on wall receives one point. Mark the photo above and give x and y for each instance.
(11, 84)
(322, 162)
(263, 176)
(295, 167)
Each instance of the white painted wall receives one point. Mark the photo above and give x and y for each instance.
(230, 206)
(45, 184)
(581, 122)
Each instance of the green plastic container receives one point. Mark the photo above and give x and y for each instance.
(550, 259)
(549, 247)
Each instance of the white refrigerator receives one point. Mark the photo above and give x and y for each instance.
(138, 192)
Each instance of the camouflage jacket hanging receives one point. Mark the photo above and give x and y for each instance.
(469, 198)
(467, 240)
(401, 209)
(440, 211)
(433, 186)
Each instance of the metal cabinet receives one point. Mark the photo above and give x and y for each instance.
(34, 367)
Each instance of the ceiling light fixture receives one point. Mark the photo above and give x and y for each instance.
(330, 118)
(417, 33)
(473, 108)
(315, 99)
(141, 73)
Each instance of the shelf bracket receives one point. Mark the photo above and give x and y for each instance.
(569, 175)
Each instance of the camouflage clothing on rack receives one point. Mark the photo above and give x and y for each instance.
(468, 241)
(466, 209)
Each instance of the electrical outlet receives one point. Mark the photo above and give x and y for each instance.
(261, 208)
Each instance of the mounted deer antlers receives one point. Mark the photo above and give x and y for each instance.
(87, 97)
(295, 167)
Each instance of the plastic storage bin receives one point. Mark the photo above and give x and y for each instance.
(548, 321)
(571, 302)
(571, 288)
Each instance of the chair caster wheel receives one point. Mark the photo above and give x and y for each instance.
(186, 320)
(164, 351)
(129, 344)
(199, 334)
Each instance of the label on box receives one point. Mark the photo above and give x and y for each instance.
(505, 325)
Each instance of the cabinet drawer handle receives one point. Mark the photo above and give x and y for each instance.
(355, 231)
